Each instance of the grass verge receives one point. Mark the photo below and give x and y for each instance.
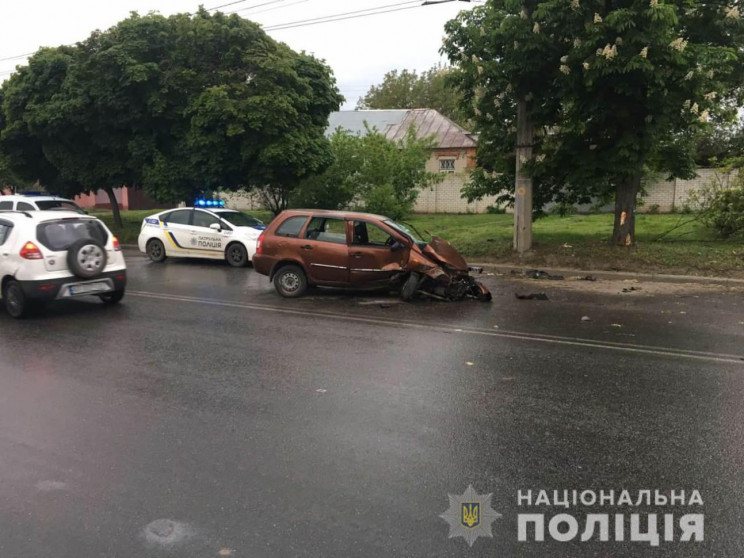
(665, 243)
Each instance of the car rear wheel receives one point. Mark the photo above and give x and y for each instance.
(16, 303)
(236, 255)
(290, 281)
(114, 297)
(155, 250)
(86, 258)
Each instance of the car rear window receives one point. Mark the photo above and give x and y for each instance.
(5, 229)
(58, 236)
(57, 204)
(291, 227)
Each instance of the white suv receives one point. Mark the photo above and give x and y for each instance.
(47, 256)
(38, 203)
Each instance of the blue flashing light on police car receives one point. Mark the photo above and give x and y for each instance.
(210, 203)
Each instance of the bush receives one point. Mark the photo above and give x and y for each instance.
(563, 209)
(654, 208)
(495, 210)
(725, 212)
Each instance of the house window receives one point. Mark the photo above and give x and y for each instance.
(446, 165)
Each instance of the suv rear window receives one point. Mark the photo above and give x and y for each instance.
(58, 236)
(291, 227)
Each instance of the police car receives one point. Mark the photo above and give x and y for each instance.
(208, 230)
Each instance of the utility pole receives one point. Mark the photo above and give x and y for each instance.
(523, 186)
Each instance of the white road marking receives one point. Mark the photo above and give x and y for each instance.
(502, 333)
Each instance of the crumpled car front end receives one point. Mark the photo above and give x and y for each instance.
(437, 270)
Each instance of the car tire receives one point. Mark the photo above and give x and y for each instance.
(236, 255)
(16, 303)
(86, 258)
(155, 250)
(410, 286)
(114, 297)
(290, 281)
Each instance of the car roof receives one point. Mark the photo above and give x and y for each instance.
(336, 214)
(40, 216)
(25, 197)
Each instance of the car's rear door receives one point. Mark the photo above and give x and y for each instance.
(372, 256)
(179, 232)
(6, 232)
(324, 250)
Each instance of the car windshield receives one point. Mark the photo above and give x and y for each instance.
(239, 219)
(62, 205)
(405, 230)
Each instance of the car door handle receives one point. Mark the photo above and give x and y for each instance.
(306, 247)
(357, 254)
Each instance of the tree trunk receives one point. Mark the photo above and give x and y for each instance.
(627, 189)
(523, 186)
(114, 206)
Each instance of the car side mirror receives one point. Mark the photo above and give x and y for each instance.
(396, 247)
(215, 227)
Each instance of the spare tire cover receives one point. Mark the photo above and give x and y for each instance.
(86, 258)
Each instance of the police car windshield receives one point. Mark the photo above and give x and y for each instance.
(238, 219)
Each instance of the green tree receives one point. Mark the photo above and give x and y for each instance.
(177, 106)
(612, 89)
(371, 173)
(407, 89)
(721, 145)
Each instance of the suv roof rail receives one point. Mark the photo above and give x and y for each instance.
(26, 213)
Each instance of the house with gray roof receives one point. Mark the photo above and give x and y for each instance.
(454, 152)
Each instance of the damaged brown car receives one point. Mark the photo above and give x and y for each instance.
(364, 251)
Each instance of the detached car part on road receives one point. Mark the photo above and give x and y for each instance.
(360, 250)
(216, 234)
(46, 256)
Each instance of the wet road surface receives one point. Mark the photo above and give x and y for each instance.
(205, 416)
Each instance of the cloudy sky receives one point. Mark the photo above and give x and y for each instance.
(359, 49)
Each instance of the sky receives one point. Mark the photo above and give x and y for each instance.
(360, 51)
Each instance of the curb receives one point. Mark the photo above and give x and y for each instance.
(668, 277)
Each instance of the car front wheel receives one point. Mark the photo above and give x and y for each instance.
(290, 281)
(236, 255)
(155, 250)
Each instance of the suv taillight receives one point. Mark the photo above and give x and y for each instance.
(259, 242)
(31, 252)
(117, 246)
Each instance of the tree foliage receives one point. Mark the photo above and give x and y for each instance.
(370, 173)
(613, 89)
(177, 106)
(407, 89)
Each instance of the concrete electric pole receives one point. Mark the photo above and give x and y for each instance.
(523, 186)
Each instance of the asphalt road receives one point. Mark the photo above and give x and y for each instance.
(205, 416)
